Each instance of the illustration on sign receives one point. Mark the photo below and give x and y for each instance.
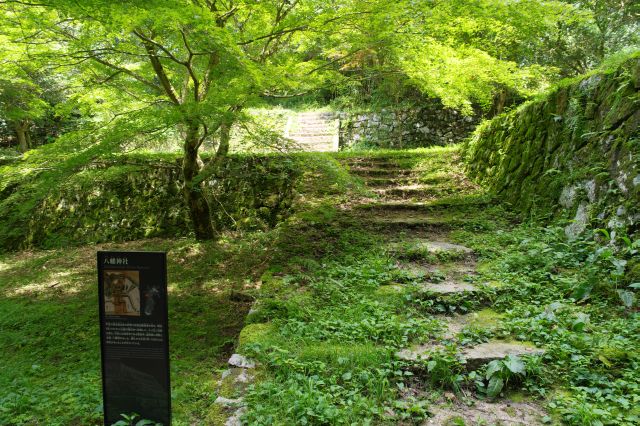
(121, 292)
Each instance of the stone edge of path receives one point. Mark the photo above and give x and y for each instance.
(239, 368)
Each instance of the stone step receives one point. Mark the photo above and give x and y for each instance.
(316, 114)
(293, 135)
(312, 139)
(456, 270)
(409, 222)
(380, 172)
(476, 356)
(486, 319)
(314, 123)
(476, 412)
(431, 246)
(448, 287)
(397, 206)
(413, 191)
(388, 182)
(370, 163)
(416, 207)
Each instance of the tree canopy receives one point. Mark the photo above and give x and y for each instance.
(189, 69)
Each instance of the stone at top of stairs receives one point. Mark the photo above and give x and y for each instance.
(449, 270)
(313, 131)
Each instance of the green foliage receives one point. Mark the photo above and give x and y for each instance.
(445, 369)
(590, 343)
(132, 420)
(498, 374)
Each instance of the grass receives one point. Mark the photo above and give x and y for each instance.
(333, 307)
(50, 336)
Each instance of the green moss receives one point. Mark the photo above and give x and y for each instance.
(486, 318)
(345, 357)
(256, 333)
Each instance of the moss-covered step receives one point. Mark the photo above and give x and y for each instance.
(388, 182)
(379, 172)
(372, 163)
(434, 272)
(452, 204)
(473, 357)
(418, 352)
(430, 246)
(415, 191)
(485, 319)
(410, 219)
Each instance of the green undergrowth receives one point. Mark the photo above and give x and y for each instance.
(333, 306)
(327, 327)
(578, 301)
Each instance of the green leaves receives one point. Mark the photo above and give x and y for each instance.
(514, 364)
(627, 297)
(500, 371)
(496, 383)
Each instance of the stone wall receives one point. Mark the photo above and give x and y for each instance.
(128, 198)
(432, 124)
(575, 152)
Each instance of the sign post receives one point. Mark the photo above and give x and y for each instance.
(134, 335)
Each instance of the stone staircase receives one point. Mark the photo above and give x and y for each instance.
(414, 212)
(314, 131)
(416, 215)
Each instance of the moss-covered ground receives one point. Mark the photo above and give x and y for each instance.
(340, 288)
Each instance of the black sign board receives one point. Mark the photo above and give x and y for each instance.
(134, 335)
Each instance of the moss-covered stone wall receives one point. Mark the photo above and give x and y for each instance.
(132, 197)
(574, 153)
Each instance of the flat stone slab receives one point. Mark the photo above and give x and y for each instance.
(449, 287)
(236, 377)
(229, 402)
(235, 419)
(418, 352)
(436, 246)
(406, 220)
(451, 270)
(484, 353)
(431, 246)
(502, 412)
(240, 361)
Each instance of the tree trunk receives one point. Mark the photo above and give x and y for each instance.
(194, 192)
(22, 129)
